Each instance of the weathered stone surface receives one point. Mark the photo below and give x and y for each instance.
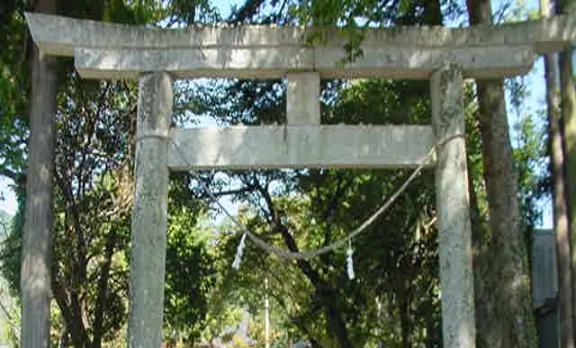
(420, 62)
(59, 35)
(455, 249)
(149, 219)
(276, 62)
(195, 62)
(35, 276)
(303, 99)
(300, 146)
(113, 51)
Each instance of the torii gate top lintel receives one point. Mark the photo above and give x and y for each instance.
(111, 51)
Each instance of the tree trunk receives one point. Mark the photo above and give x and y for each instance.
(102, 293)
(561, 221)
(504, 315)
(324, 291)
(568, 104)
(327, 295)
(36, 243)
(63, 340)
(337, 326)
(404, 312)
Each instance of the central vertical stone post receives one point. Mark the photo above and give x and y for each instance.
(452, 200)
(149, 219)
(303, 99)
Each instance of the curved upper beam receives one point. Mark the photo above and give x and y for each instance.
(106, 50)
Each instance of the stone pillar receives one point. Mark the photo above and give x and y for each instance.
(303, 99)
(35, 276)
(149, 218)
(452, 200)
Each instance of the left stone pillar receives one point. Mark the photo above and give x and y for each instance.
(149, 218)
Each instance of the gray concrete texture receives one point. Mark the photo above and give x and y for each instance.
(300, 147)
(150, 212)
(303, 99)
(453, 204)
(114, 51)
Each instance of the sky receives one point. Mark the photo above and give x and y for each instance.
(535, 102)
(7, 198)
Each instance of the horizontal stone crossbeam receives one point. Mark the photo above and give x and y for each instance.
(324, 146)
(407, 63)
(105, 50)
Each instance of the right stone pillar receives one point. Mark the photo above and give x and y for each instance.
(150, 215)
(452, 200)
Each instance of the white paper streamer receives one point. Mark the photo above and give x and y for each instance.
(239, 252)
(349, 261)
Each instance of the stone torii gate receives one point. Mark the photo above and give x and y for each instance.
(155, 57)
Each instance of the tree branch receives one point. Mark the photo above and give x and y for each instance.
(102, 292)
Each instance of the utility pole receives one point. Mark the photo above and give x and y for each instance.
(380, 344)
(266, 315)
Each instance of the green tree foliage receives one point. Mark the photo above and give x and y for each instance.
(9, 318)
(94, 155)
(13, 90)
(396, 259)
(191, 270)
(393, 302)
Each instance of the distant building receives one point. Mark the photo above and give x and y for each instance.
(545, 288)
